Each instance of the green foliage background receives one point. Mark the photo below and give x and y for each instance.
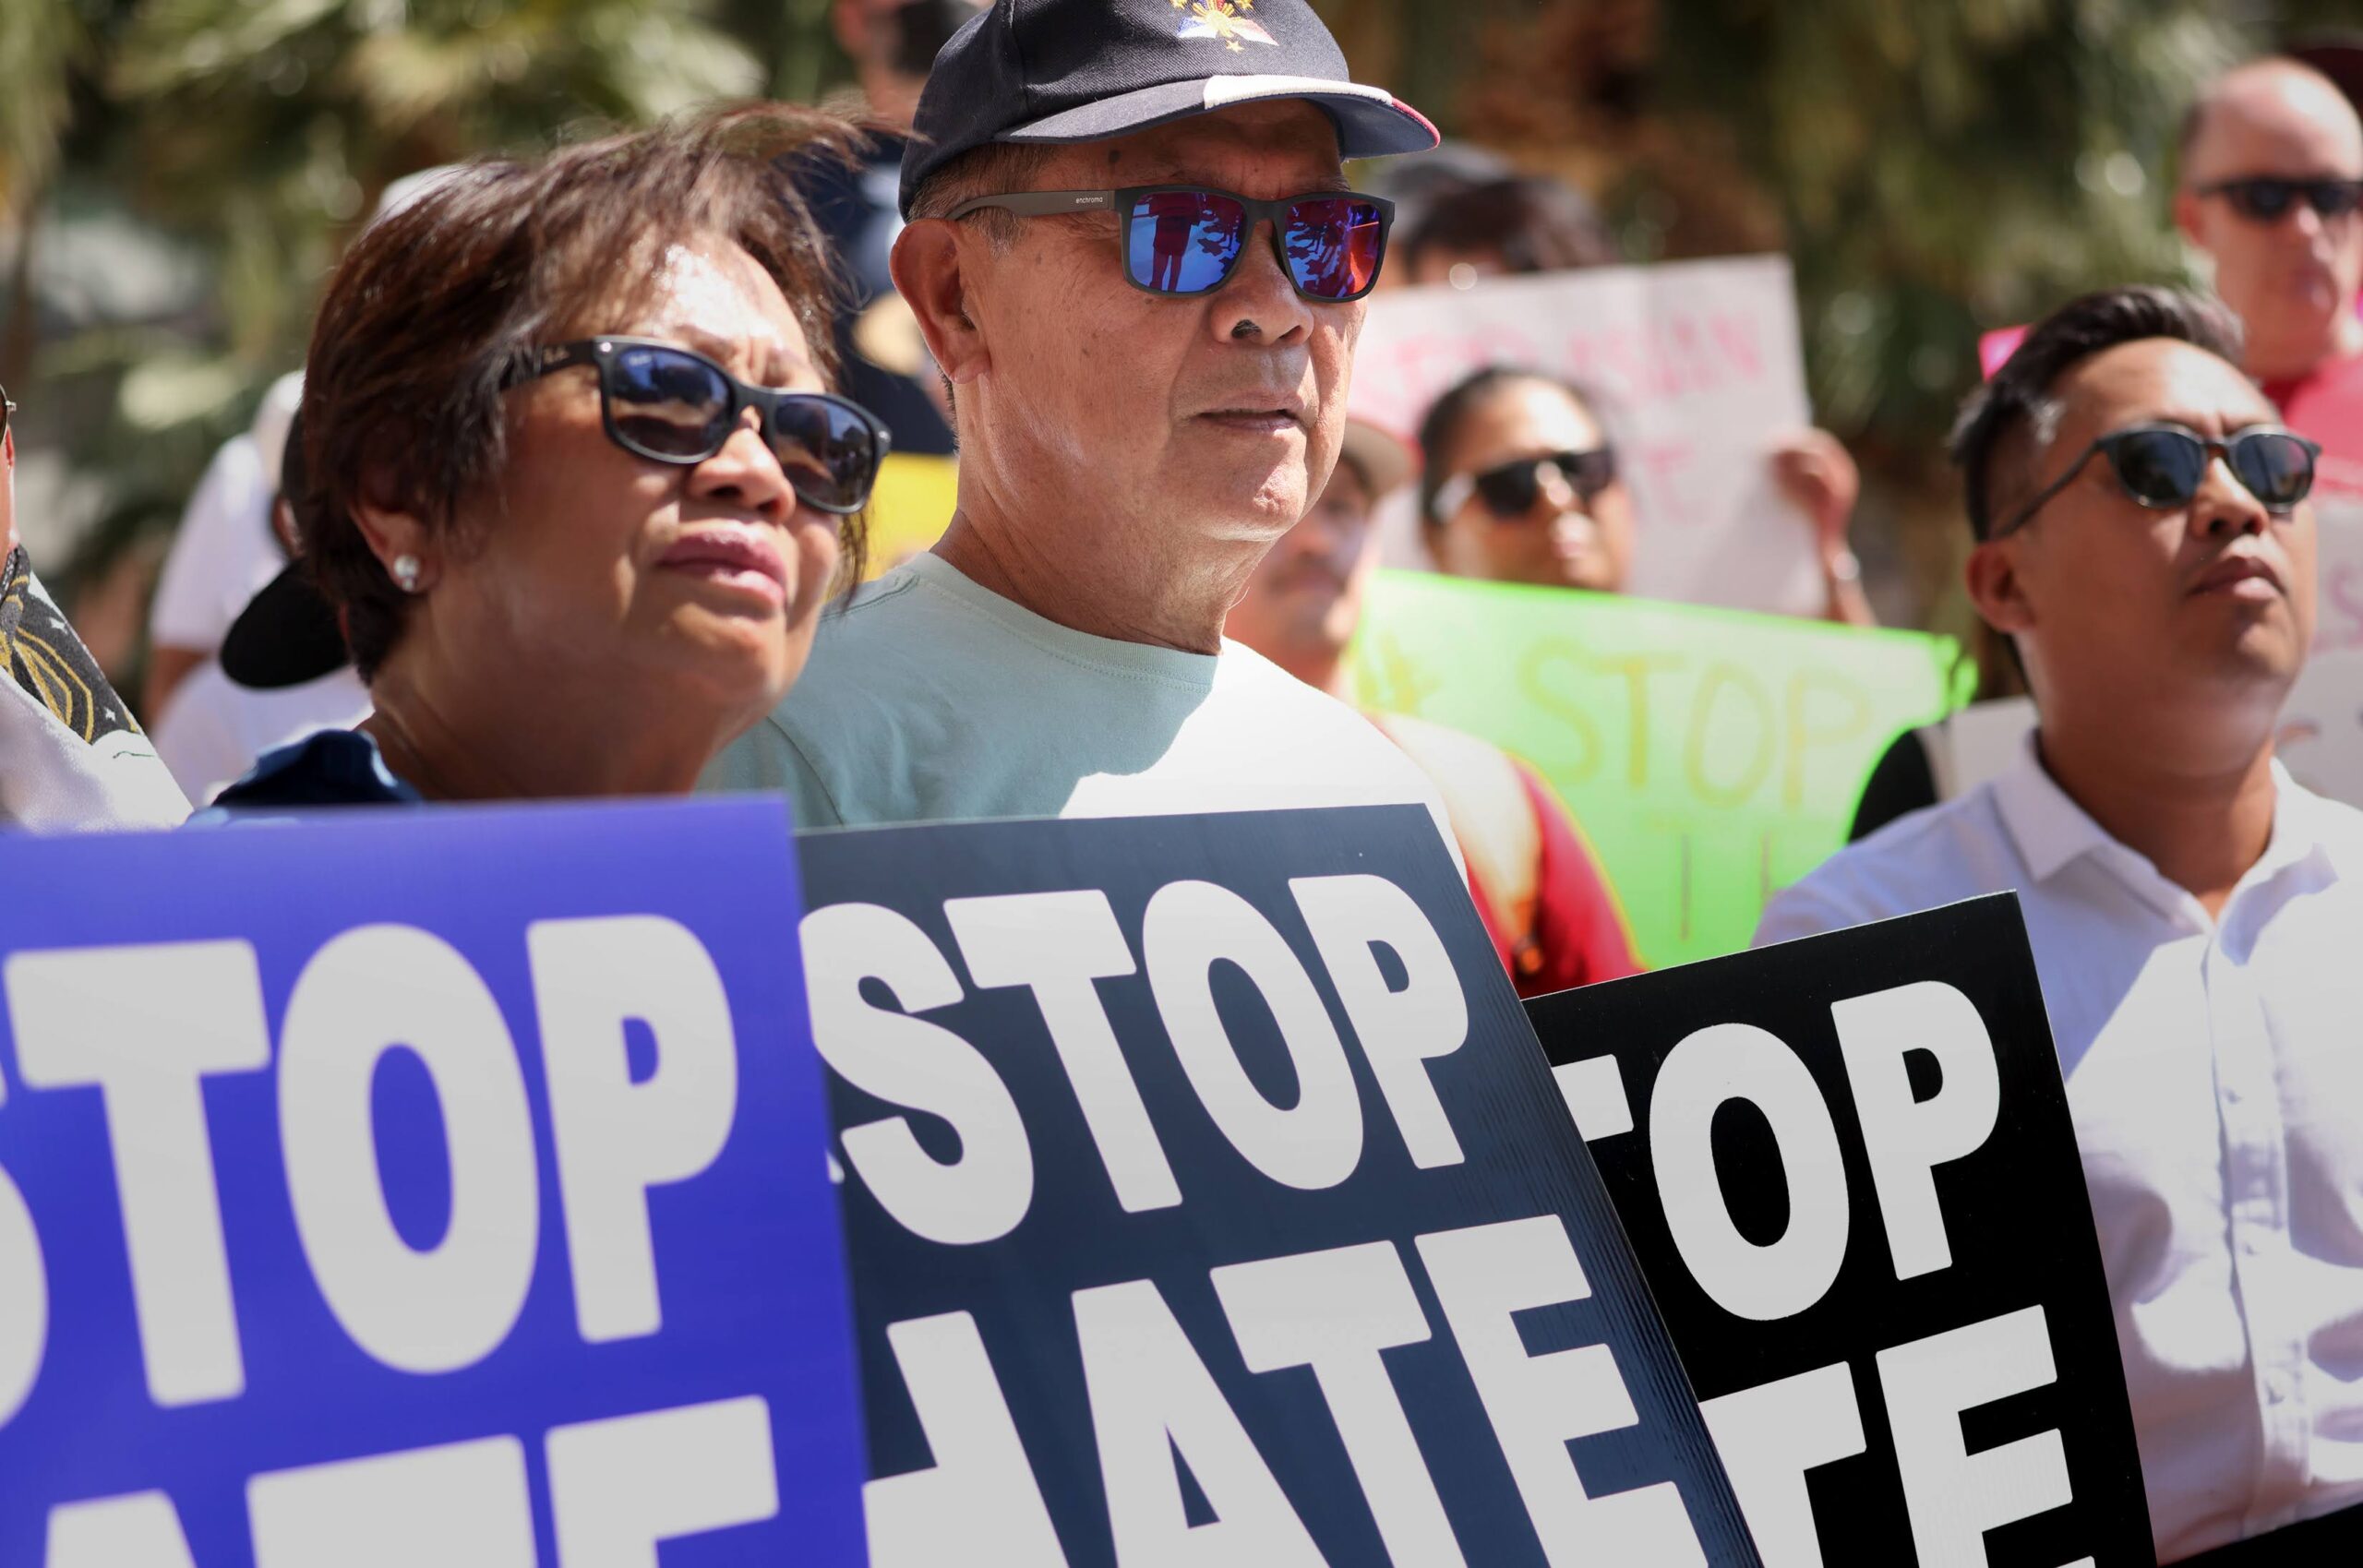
(1935, 168)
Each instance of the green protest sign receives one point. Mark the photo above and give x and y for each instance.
(1711, 756)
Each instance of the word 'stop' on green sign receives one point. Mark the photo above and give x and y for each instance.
(1711, 757)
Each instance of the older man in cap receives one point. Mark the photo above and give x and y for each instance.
(1136, 260)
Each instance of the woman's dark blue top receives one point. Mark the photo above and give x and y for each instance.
(330, 767)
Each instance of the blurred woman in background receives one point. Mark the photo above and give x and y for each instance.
(1520, 483)
(575, 488)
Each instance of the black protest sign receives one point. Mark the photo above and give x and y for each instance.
(1847, 1165)
(1208, 1202)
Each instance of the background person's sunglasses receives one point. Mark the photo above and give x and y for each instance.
(1509, 490)
(673, 405)
(2162, 466)
(2267, 199)
(1187, 239)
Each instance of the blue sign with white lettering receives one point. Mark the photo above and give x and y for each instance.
(419, 1188)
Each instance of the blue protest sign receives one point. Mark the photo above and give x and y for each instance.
(417, 1188)
(1209, 1203)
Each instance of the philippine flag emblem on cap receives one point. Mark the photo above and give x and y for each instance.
(1225, 19)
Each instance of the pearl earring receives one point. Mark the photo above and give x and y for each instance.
(406, 573)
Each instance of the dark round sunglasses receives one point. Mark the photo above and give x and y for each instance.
(2266, 198)
(674, 406)
(2162, 466)
(1188, 240)
(1510, 490)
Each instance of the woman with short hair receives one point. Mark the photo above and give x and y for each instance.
(1522, 482)
(575, 487)
(1519, 483)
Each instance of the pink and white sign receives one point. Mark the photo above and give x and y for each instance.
(2338, 555)
(1700, 369)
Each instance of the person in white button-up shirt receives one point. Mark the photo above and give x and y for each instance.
(2196, 916)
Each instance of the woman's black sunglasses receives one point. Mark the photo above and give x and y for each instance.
(1188, 240)
(673, 405)
(2162, 466)
(1510, 490)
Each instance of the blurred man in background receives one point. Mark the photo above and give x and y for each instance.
(2272, 191)
(1503, 227)
(2142, 534)
(1537, 885)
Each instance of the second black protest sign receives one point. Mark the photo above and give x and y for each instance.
(1847, 1165)
(1207, 1202)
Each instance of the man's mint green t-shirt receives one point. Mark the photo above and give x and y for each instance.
(930, 698)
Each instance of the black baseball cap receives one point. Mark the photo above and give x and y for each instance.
(1084, 70)
(288, 633)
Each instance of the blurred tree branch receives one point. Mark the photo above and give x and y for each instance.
(256, 137)
(1934, 167)
(40, 42)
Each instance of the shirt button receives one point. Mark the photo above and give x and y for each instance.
(2276, 1386)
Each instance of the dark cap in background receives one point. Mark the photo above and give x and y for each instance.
(288, 633)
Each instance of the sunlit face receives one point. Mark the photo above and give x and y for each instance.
(1562, 540)
(2126, 604)
(1174, 421)
(1302, 604)
(2292, 282)
(596, 565)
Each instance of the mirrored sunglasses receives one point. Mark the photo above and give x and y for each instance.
(674, 406)
(2162, 466)
(1510, 490)
(2267, 199)
(1188, 240)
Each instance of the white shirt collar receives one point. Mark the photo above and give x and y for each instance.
(2052, 832)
